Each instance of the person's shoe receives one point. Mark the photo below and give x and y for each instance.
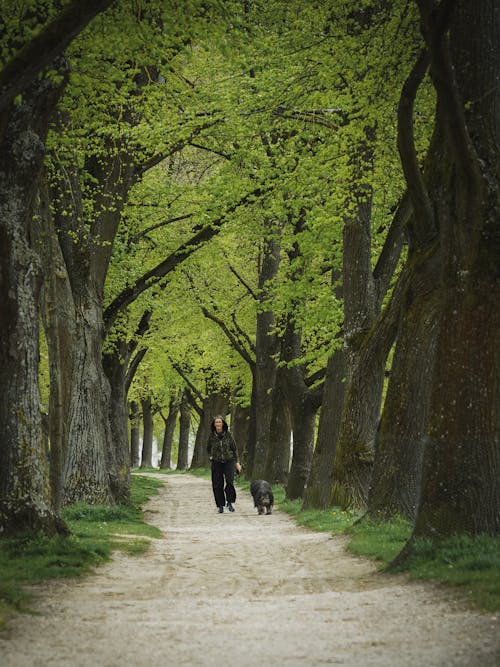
(221, 509)
(230, 507)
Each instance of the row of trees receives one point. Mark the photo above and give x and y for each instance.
(286, 212)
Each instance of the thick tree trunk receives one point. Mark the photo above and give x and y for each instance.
(87, 458)
(397, 470)
(304, 405)
(147, 433)
(461, 467)
(135, 447)
(461, 487)
(280, 444)
(240, 422)
(303, 423)
(24, 488)
(184, 431)
(168, 435)
(364, 297)
(95, 468)
(318, 491)
(266, 349)
(58, 316)
(214, 404)
(355, 451)
(354, 448)
(115, 368)
(248, 454)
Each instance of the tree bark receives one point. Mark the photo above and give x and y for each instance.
(24, 489)
(87, 457)
(280, 436)
(147, 433)
(97, 471)
(264, 374)
(58, 317)
(354, 449)
(365, 363)
(396, 479)
(184, 431)
(115, 367)
(304, 405)
(240, 423)
(318, 491)
(461, 467)
(303, 424)
(168, 436)
(134, 416)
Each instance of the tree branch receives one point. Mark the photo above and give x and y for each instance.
(237, 346)
(154, 160)
(133, 366)
(210, 150)
(192, 391)
(243, 334)
(34, 56)
(435, 23)
(241, 280)
(391, 250)
(152, 277)
(406, 143)
(158, 225)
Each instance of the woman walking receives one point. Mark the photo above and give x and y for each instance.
(223, 454)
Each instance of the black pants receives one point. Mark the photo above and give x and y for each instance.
(220, 471)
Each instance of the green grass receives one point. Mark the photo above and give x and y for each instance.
(96, 531)
(471, 565)
(381, 540)
(205, 473)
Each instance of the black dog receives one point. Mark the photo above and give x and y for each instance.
(262, 496)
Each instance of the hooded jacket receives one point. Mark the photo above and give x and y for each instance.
(221, 447)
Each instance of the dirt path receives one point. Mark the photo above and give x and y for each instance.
(245, 590)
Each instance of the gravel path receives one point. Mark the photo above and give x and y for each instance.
(244, 590)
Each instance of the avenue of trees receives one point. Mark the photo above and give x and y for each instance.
(285, 212)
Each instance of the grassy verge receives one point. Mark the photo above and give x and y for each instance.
(96, 531)
(471, 566)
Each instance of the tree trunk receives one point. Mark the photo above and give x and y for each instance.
(168, 436)
(461, 467)
(240, 421)
(280, 444)
(87, 459)
(24, 488)
(354, 448)
(97, 470)
(355, 451)
(135, 447)
(58, 316)
(147, 433)
(318, 491)
(266, 349)
(214, 404)
(304, 405)
(184, 431)
(303, 423)
(115, 367)
(396, 478)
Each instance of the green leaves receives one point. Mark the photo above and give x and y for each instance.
(206, 102)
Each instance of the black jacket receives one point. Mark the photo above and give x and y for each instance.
(221, 447)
